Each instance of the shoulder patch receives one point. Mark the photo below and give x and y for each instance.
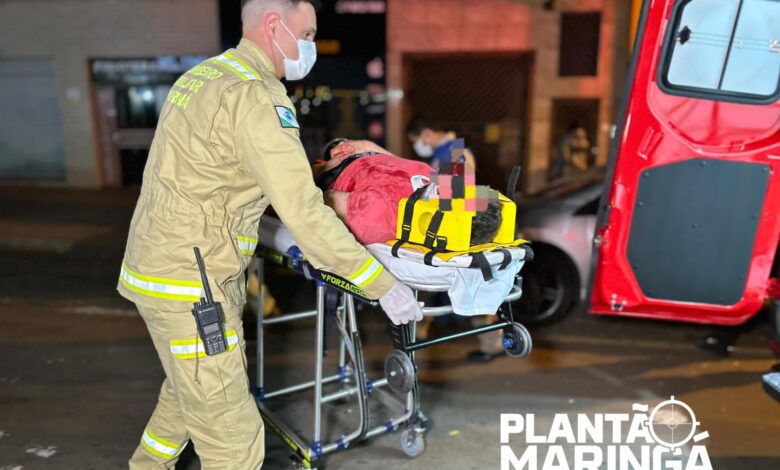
(287, 118)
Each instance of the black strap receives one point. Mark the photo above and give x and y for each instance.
(507, 257)
(529, 253)
(478, 260)
(406, 226)
(326, 179)
(432, 238)
(511, 187)
(428, 258)
(396, 246)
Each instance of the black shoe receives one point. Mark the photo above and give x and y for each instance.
(481, 357)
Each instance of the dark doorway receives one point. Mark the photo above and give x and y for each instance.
(483, 99)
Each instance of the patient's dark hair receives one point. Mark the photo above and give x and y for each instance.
(330, 146)
(485, 224)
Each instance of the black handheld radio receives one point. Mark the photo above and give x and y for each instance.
(208, 315)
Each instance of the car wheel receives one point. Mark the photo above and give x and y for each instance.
(551, 288)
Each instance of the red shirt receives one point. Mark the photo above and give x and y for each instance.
(376, 183)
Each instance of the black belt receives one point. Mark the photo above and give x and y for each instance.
(326, 180)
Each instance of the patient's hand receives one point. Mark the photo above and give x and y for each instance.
(337, 200)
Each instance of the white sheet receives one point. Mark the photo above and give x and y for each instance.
(469, 292)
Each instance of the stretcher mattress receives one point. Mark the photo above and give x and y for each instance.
(469, 292)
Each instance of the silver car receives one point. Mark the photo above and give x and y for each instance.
(559, 222)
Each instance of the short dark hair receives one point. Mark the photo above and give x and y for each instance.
(420, 122)
(330, 146)
(485, 225)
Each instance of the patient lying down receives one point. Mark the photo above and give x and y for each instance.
(364, 183)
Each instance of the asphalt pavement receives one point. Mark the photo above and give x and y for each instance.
(79, 375)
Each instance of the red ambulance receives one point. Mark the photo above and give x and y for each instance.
(690, 219)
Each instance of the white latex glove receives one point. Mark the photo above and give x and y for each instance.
(400, 305)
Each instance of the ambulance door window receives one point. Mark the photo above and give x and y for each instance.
(727, 49)
(753, 66)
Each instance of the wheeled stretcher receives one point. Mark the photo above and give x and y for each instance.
(351, 379)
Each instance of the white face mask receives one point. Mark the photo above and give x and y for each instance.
(307, 56)
(423, 150)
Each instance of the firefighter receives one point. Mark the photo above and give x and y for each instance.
(226, 147)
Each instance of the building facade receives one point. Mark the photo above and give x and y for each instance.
(510, 76)
(81, 81)
(51, 131)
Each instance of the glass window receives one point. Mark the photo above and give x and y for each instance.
(728, 47)
(579, 44)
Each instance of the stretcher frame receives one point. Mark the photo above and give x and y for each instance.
(351, 372)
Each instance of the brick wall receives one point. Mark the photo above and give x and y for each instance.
(71, 31)
(490, 26)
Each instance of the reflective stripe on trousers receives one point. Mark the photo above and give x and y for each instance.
(191, 348)
(205, 399)
(160, 447)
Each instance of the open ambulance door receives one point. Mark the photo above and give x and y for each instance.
(690, 216)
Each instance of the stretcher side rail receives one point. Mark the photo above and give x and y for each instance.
(292, 261)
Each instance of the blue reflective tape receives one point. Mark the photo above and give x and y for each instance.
(342, 373)
(369, 386)
(341, 444)
(317, 448)
(389, 426)
(296, 254)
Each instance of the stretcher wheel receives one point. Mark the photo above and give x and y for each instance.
(399, 371)
(412, 443)
(517, 342)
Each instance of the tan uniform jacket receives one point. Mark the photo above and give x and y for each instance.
(227, 145)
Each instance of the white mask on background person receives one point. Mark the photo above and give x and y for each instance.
(422, 149)
(307, 56)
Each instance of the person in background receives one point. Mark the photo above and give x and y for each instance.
(431, 141)
(573, 153)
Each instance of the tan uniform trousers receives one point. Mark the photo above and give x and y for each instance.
(204, 399)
